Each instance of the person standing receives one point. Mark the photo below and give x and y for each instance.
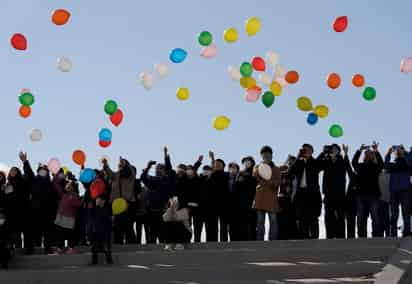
(206, 213)
(266, 198)
(350, 197)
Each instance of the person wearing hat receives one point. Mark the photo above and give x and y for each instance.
(266, 197)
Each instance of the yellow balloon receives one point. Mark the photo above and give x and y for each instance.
(65, 170)
(231, 35)
(183, 94)
(276, 88)
(247, 82)
(119, 206)
(321, 111)
(252, 26)
(221, 122)
(304, 104)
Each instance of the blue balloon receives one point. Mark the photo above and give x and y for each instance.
(312, 118)
(178, 55)
(87, 175)
(105, 135)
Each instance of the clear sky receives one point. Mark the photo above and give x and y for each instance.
(111, 42)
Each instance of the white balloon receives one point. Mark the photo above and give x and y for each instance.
(64, 64)
(4, 168)
(280, 70)
(272, 58)
(36, 135)
(147, 80)
(234, 73)
(265, 171)
(265, 79)
(162, 69)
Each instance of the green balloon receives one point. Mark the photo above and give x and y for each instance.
(205, 38)
(369, 93)
(268, 99)
(110, 107)
(336, 131)
(246, 69)
(26, 99)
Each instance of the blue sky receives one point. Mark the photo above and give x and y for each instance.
(111, 42)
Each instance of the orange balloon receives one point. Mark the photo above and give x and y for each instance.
(60, 17)
(333, 80)
(292, 77)
(79, 157)
(358, 80)
(25, 111)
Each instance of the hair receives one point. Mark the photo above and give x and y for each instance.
(266, 149)
(207, 168)
(221, 161)
(182, 166)
(308, 146)
(249, 158)
(233, 164)
(337, 147)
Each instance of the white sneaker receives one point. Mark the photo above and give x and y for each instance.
(179, 247)
(168, 247)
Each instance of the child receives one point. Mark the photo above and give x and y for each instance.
(66, 216)
(102, 230)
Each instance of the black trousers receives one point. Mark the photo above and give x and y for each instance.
(199, 220)
(101, 243)
(212, 226)
(385, 217)
(308, 205)
(224, 225)
(63, 234)
(287, 228)
(40, 227)
(142, 221)
(335, 220)
(176, 233)
(155, 222)
(124, 228)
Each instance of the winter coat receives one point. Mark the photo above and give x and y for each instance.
(122, 183)
(266, 197)
(102, 221)
(399, 174)
(245, 191)
(368, 175)
(204, 196)
(220, 191)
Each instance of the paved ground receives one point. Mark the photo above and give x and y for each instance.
(345, 261)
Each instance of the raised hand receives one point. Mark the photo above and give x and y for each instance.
(375, 146)
(211, 155)
(23, 156)
(151, 164)
(165, 150)
(200, 159)
(345, 149)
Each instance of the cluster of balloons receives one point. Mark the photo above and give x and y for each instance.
(252, 27)
(320, 111)
(26, 100)
(116, 117)
(105, 137)
(209, 50)
(147, 78)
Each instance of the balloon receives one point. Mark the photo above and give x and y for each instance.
(358, 80)
(406, 65)
(231, 35)
(221, 122)
(246, 69)
(234, 73)
(304, 104)
(369, 93)
(65, 170)
(36, 135)
(26, 99)
(340, 24)
(252, 95)
(312, 118)
(162, 70)
(25, 91)
(54, 165)
(178, 55)
(19, 42)
(333, 81)
(4, 168)
(110, 107)
(117, 117)
(79, 157)
(119, 206)
(183, 94)
(25, 111)
(64, 64)
(247, 82)
(321, 111)
(264, 79)
(205, 38)
(105, 135)
(87, 175)
(258, 64)
(276, 88)
(255, 89)
(265, 171)
(97, 188)
(209, 51)
(252, 26)
(336, 131)
(280, 70)
(105, 144)
(60, 17)
(272, 58)
(281, 80)
(147, 80)
(292, 77)
(268, 99)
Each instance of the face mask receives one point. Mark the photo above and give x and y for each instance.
(207, 173)
(233, 171)
(267, 157)
(190, 173)
(43, 173)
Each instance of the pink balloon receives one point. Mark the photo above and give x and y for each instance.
(406, 65)
(54, 165)
(209, 51)
(252, 96)
(281, 80)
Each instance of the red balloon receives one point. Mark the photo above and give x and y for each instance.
(258, 64)
(340, 24)
(117, 117)
(19, 42)
(97, 187)
(105, 144)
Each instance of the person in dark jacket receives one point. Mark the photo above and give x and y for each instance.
(399, 186)
(308, 200)
(234, 170)
(333, 188)
(350, 197)
(42, 207)
(205, 214)
(160, 189)
(368, 193)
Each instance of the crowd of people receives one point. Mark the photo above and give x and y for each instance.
(174, 206)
